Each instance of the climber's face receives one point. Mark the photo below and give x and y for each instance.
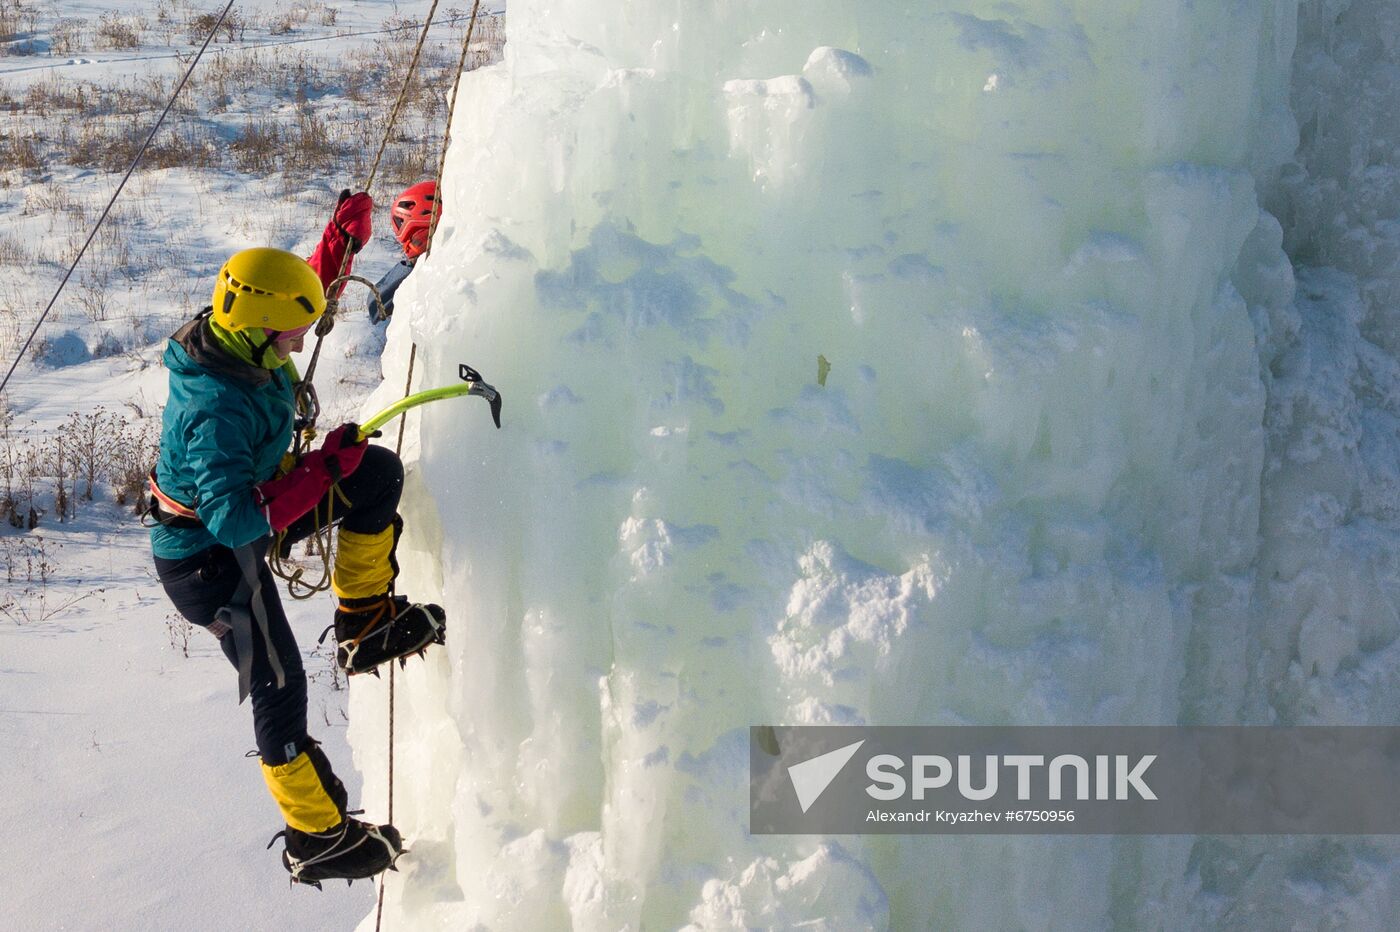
(286, 347)
(290, 341)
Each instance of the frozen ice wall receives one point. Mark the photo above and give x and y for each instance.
(1027, 239)
(1331, 509)
(1322, 646)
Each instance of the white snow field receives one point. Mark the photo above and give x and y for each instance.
(1092, 448)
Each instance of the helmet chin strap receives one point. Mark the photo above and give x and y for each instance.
(260, 350)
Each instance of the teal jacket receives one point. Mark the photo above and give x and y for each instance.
(225, 428)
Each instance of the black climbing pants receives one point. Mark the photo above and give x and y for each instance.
(201, 584)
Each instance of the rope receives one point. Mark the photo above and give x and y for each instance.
(408, 384)
(306, 402)
(398, 451)
(122, 184)
(447, 140)
(320, 536)
(327, 321)
(403, 93)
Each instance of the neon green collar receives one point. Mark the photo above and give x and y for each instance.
(244, 345)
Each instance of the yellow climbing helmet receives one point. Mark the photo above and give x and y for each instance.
(268, 288)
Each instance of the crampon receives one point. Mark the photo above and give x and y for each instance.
(370, 631)
(350, 851)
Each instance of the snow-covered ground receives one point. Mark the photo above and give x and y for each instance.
(122, 747)
(123, 773)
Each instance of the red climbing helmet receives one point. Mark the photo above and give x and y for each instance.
(412, 215)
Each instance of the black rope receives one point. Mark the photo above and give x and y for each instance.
(106, 210)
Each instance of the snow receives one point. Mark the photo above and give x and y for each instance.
(124, 776)
(1109, 436)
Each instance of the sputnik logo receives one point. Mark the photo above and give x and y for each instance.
(811, 777)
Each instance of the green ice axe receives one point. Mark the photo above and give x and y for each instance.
(471, 384)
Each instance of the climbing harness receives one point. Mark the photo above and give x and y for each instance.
(245, 608)
(162, 509)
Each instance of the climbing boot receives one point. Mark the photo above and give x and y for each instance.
(323, 842)
(370, 631)
(352, 850)
(372, 625)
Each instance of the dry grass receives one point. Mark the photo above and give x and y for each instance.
(92, 294)
(232, 29)
(51, 473)
(106, 145)
(286, 21)
(310, 146)
(333, 126)
(271, 112)
(53, 95)
(181, 21)
(50, 198)
(115, 31)
(13, 252)
(69, 36)
(488, 39)
(21, 150)
(235, 74)
(18, 19)
(256, 147)
(184, 147)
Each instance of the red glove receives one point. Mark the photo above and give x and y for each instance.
(345, 445)
(350, 228)
(353, 218)
(285, 499)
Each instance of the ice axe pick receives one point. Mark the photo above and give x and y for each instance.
(472, 384)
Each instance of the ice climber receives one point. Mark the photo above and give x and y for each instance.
(412, 219)
(225, 490)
